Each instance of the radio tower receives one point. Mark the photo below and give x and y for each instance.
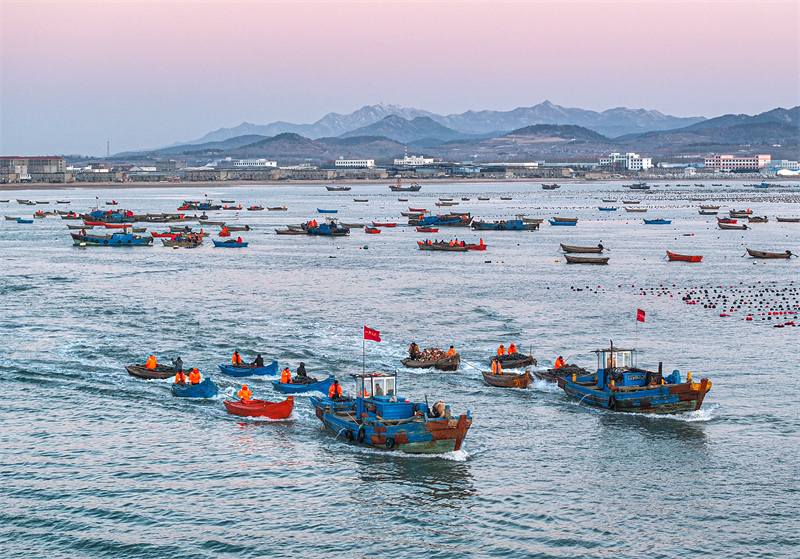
(108, 149)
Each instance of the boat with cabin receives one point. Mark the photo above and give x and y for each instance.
(115, 239)
(415, 187)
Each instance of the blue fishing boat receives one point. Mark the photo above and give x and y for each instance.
(20, 220)
(604, 209)
(505, 225)
(381, 419)
(331, 229)
(567, 223)
(657, 221)
(249, 370)
(620, 386)
(204, 389)
(294, 388)
(327, 211)
(208, 206)
(229, 244)
(114, 240)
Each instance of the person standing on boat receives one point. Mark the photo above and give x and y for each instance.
(413, 351)
(335, 391)
(245, 394)
(497, 368)
(194, 376)
(180, 378)
(151, 362)
(501, 350)
(450, 352)
(559, 363)
(301, 371)
(236, 359)
(177, 365)
(286, 376)
(259, 362)
(512, 349)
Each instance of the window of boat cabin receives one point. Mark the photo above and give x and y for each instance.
(621, 358)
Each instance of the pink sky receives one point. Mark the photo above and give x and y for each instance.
(145, 74)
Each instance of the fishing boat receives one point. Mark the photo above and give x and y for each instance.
(766, 255)
(566, 223)
(402, 199)
(550, 186)
(165, 235)
(568, 370)
(57, 201)
(228, 201)
(296, 388)
(229, 244)
(206, 222)
(255, 209)
(320, 210)
(609, 200)
(639, 186)
(731, 226)
(329, 230)
(209, 206)
(726, 220)
(506, 198)
(479, 246)
(182, 242)
(360, 200)
(115, 239)
(372, 230)
(352, 225)
(505, 225)
(290, 232)
(631, 201)
(757, 219)
(417, 210)
(483, 199)
(237, 228)
(606, 208)
(378, 417)
(657, 221)
(261, 408)
(635, 210)
(565, 219)
(707, 212)
(427, 229)
(160, 372)
(232, 208)
(451, 220)
(529, 220)
(515, 360)
(21, 220)
(11, 218)
(624, 388)
(570, 248)
(445, 199)
(376, 224)
(338, 188)
(446, 204)
(673, 257)
(79, 227)
(464, 199)
(244, 370)
(111, 203)
(400, 188)
(508, 380)
(586, 259)
(70, 216)
(441, 246)
(204, 389)
(740, 213)
(278, 209)
(443, 364)
(706, 207)
(788, 219)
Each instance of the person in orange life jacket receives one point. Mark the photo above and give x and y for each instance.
(501, 350)
(194, 376)
(245, 394)
(180, 378)
(286, 376)
(335, 390)
(559, 363)
(512, 349)
(450, 352)
(497, 369)
(151, 362)
(236, 359)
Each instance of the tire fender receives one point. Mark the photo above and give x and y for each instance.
(390, 443)
(362, 434)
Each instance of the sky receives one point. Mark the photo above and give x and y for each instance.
(75, 75)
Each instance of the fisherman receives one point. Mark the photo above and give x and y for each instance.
(180, 378)
(177, 365)
(194, 376)
(236, 359)
(497, 368)
(301, 371)
(245, 394)
(335, 391)
(512, 349)
(413, 351)
(450, 352)
(239, 240)
(259, 362)
(286, 376)
(501, 350)
(559, 363)
(151, 362)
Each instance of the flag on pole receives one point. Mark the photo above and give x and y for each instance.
(639, 315)
(370, 334)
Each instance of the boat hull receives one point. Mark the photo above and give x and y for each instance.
(586, 259)
(321, 386)
(204, 389)
(515, 361)
(508, 380)
(683, 257)
(261, 408)
(665, 399)
(232, 371)
(160, 372)
(443, 364)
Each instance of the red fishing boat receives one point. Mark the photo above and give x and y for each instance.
(725, 220)
(116, 225)
(93, 223)
(170, 235)
(372, 230)
(479, 246)
(261, 408)
(683, 257)
(427, 229)
(376, 224)
(421, 210)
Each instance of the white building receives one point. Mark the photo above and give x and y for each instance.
(629, 161)
(414, 160)
(368, 163)
(254, 163)
(783, 164)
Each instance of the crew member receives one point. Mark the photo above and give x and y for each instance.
(259, 362)
(450, 352)
(413, 351)
(245, 394)
(497, 368)
(239, 240)
(335, 390)
(301, 371)
(151, 362)
(194, 376)
(286, 376)
(501, 350)
(177, 365)
(512, 349)
(180, 378)
(559, 363)
(236, 360)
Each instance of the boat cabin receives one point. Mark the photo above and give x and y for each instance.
(617, 364)
(377, 398)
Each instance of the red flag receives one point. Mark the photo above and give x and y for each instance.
(640, 315)
(370, 334)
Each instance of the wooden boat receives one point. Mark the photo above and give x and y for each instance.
(160, 372)
(320, 210)
(529, 220)
(446, 204)
(570, 248)
(4, 201)
(586, 259)
(79, 227)
(726, 220)
(206, 222)
(445, 199)
(624, 388)
(505, 225)
(338, 188)
(567, 223)
(360, 200)
(483, 199)
(508, 380)
(278, 209)
(702, 207)
(165, 235)
(228, 201)
(380, 418)
(204, 389)
(673, 257)
(418, 210)
(631, 201)
(427, 229)
(506, 198)
(788, 219)
(568, 370)
(112, 203)
(479, 246)
(182, 242)
(255, 209)
(413, 215)
(352, 225)
(565, 219)
(657, 221)
(11, 218)
(707, 212)
(290, 232)
(465, 199)
(249, 370)
(606, 209)
(57, 201)
(115, 239)
(20, 220)
(295, 388)
(609, 200)
(177, 229)
(515, 360)
(741, 213)
(229, 244)
(756, 219)
(329, 230)
(261, 408)
(232, 208)
(376, 224)
(400, 188)
(444, 247)
(762, 254)
(402, 199)
(550, 186)
(443, 364)
(372, 230)
(237, 228)
(731, 226)
(639, 210)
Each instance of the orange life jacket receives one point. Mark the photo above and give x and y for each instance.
(497, 369)
(335, 391)
(512, 349)
(236, 359)
(559, 363)
(450, 352)
(286, 376)
(151, 362)
(180, 378)
(501, 350)
(194, 376)
(245, 394)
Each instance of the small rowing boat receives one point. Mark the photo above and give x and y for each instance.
(508, 380)
(320, 210)
(567, 223)
(757, 219)
(586, 259)
(731, 226)
(427, 229)
(441, 246)
(788, 219)
(376, 224)
(635, 210)
(141, 371)
(290, 232)
(296, 388)
(204, 389)
(229, 244)
(673, 257)
(249, 370)
(372, 230)
(571, 248)
(767, 255)
(261, 408)
(657, 221)
(277, 209)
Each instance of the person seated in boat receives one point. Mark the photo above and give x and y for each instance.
(236, 360)
(301, 371)
(559, 363)
(83, 232)
(497, 368)
(512, 349)
(151, 362)
(335, 391)
(224, 230)
(501, 350)
(450, 352)
(245, 394)
(238, 239)
(451, 243)
(177, 365)
(194, 376)
(180, 378)
(286, 376)
(259, 362)
(413, 351)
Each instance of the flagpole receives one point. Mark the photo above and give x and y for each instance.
(363, 355)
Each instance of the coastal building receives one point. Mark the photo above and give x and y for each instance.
(413, 160)
(355, 163)
(783, 164)
(255, 163)
(33, 169)
(735, 162)
(627, 161)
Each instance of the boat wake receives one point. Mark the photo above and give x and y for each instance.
(544, 386)
(707, 413)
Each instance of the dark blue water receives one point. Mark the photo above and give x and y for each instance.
(96, 463)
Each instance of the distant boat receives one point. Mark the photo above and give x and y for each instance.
(605, 209)
(683, 257)
(327, 211)
(338, 188)
(586, 259)
(400, 188)
(657, 221)
(762, 254)
(571, 248)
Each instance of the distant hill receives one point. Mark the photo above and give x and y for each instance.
(405, 131)
(563, 132)
(784, 116)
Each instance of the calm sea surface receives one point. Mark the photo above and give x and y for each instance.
(96, 463)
